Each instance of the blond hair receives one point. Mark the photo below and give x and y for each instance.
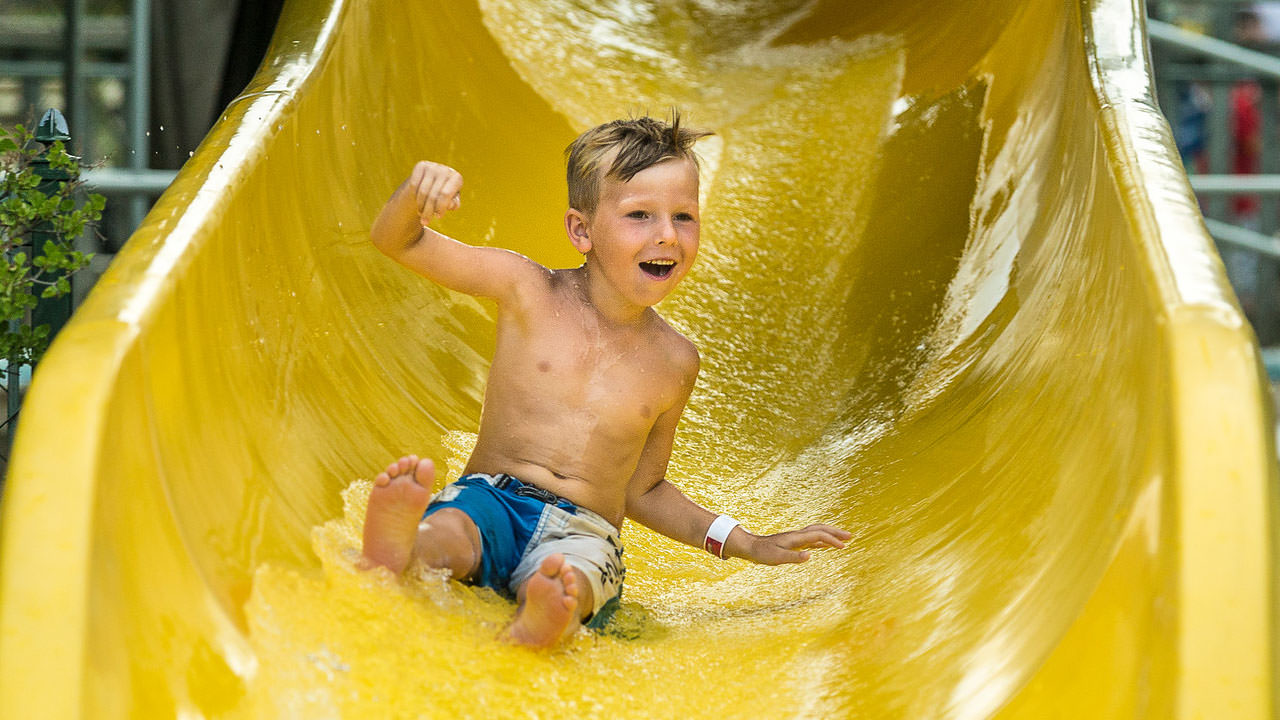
(641, 143)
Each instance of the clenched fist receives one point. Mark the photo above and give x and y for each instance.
(437, 189)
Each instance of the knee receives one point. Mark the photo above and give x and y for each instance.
(451, 541)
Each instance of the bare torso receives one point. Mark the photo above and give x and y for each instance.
(572, 398)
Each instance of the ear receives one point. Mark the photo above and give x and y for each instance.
(575, 226)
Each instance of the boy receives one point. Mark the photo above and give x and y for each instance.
(585, 391)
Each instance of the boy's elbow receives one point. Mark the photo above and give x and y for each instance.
(393, 244)
(652, 494)
(386, 248)
(641, 497)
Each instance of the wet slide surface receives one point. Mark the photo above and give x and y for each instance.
(953, 294)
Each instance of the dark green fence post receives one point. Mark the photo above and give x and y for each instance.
(53, 127)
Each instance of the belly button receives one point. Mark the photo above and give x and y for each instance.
(544, 366)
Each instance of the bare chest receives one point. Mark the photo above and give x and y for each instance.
(617, 382)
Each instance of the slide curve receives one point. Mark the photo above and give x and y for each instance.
(954, 294)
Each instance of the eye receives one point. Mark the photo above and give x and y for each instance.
(685, 217)
(638, 215)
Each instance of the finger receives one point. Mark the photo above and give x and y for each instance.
(810, 539)
(840, 533)
(425, 190)
(436, 201)
(451, 190)
(447, 184)
(423, 196)
(419, 171)
(829, 539)
(828, 535)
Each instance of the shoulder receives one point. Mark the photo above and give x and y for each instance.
(683, 354)
(530, 282)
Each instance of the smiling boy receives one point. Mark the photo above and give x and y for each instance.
(585, 391)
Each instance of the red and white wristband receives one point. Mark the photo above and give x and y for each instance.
(717, 534)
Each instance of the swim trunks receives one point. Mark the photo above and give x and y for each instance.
(521, 525)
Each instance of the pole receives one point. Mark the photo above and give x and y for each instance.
(73, 71)
(53, 127)
(139, 102)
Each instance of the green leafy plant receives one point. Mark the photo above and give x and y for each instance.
(41, 215)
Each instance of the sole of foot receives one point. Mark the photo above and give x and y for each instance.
(550, 607)
(399, 497)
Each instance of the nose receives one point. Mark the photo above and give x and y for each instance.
(666, 233)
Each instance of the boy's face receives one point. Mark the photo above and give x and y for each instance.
(643, 236)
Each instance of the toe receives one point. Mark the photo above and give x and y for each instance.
(425, 472)
(382, 480)
(569, 579)
(551, 565)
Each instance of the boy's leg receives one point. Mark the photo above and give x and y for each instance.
(394, 533)
(552, 604)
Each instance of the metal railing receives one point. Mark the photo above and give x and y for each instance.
(126, 181)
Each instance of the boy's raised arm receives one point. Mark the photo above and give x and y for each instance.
(400, 232)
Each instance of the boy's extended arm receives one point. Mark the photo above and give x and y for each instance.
(669, 511)
(654, 502)
(400, 232)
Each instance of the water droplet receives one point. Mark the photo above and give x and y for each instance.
(190, 153)
(161, 128)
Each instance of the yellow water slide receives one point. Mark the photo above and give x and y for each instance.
(954, 294)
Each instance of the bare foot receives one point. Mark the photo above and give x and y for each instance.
(396, 504)
(550, 606)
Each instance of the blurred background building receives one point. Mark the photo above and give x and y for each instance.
(140, 83)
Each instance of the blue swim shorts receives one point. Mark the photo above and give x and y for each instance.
(520, 525)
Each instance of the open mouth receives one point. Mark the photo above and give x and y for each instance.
(658, 268)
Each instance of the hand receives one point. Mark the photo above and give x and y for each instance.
(437, 189)
(792, 546)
